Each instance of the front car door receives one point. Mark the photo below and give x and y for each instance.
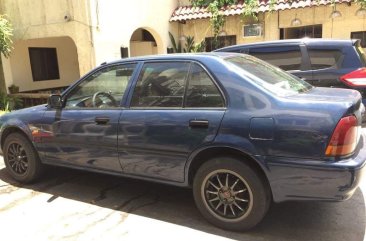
(84, 132)
(175, 108)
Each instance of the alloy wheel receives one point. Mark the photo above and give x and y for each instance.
(17, 158)
(227, 195)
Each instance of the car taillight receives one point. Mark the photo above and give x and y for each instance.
(344, 138)
(355, 78)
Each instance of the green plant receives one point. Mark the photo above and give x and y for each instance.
(177, 47)
(5, 36)
(13, 89)
(15, 103)
(8, 103)
(5, 44)
(189, 47)
(362, 3)
(199, 47)
(4, 103)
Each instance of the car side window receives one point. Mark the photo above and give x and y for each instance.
(325, 58)
(286, 57)
(161, 85)
(201, 91)
(102, 89)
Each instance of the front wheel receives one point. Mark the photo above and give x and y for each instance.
(21, 159)
(230, 194)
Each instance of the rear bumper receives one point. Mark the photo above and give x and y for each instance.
(317, 179)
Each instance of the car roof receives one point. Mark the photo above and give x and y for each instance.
(183, 56)
(306, 41)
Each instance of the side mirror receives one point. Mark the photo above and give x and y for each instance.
(55, 101)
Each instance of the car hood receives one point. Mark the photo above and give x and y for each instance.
(30, 110)
(35, 111)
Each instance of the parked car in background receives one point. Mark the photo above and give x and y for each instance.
(239, 131)
(320, 62)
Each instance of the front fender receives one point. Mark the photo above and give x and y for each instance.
(22, 120)
(12, 125)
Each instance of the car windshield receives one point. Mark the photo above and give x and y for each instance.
(269, 77)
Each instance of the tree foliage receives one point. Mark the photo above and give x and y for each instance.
(214, 6)
(6, 32)
(362, 3)
(250, 8)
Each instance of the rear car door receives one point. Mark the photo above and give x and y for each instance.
(175, 108)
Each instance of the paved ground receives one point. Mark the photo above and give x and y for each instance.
(73, 205)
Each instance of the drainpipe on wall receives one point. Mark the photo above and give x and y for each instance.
(92, 60)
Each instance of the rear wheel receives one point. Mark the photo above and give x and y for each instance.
(230, 194)
(21, 159)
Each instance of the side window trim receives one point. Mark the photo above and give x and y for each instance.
(305, 59)
(94, 71)
(137, 77)
(132, 84)
(138, 72)
(189, 73)
(223, 96)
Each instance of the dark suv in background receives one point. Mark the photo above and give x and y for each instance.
(320, 62)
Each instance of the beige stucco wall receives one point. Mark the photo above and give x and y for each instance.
(116, 20)
(342, 27)
(140, 48)
(44, 19)
(98, 28)
(66, 56)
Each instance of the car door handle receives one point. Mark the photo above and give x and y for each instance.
(101, 120)
(198, 123)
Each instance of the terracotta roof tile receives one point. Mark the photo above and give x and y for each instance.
(190, 12)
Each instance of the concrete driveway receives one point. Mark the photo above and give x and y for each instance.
(73, 205)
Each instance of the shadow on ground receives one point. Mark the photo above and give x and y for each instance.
(285, 221)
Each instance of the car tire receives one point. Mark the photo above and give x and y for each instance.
(21, 159)
(230, 194)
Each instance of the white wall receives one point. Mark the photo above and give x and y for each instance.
(116, 20)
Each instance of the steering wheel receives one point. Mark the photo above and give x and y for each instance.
(105, 94)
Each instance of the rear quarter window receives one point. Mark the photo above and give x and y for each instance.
(286, 58)
(269, 77)
(325, 58)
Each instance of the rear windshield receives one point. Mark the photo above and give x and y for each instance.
(361, 53)
(269, 77)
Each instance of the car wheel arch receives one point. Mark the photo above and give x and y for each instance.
(10, 130)
(208, 153)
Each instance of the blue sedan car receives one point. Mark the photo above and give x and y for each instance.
(240, 132)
